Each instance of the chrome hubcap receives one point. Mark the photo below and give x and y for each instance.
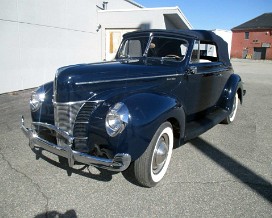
(160, 154)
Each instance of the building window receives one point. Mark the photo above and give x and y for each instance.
(246, 35)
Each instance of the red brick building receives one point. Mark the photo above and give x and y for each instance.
(253, 39)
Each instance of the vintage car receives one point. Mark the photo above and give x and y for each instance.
(164, 87)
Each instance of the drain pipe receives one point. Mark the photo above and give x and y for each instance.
(105, 5)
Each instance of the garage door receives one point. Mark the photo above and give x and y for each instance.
(259, 53)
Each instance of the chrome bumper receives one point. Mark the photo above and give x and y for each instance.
(120, 162)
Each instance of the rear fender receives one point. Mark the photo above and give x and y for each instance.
(233, 86)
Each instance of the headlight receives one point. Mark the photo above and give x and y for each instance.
(36, 100)
(117, 119)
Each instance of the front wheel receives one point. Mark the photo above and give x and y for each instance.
(230, 118)
(150, 168)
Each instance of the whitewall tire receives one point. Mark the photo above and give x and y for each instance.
(151, 167)
(230, 118)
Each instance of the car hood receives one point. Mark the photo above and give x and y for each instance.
(99, 81)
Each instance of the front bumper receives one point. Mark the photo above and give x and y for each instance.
(120, 162)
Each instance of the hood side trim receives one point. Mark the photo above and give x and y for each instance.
(127, 79)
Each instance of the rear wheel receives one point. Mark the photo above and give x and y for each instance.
(150, 168)
(230, 118)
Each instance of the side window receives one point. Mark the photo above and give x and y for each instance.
(208, 52)
(204, 52)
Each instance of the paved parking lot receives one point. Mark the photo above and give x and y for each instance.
(226, 172)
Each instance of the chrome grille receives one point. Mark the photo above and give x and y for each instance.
(65, 116)
(73, 118)
(81, 125)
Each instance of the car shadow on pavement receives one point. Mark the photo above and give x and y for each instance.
(256, 183)
(103, 176)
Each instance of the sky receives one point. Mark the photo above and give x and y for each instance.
(215, 14)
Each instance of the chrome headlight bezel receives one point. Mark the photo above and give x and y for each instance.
(36, 100)
(117, 119)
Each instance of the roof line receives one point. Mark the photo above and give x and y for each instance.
(134, 3)
(183, 16)
(142, 9)
(260, 22)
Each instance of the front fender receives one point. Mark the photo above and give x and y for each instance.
(147, 112)
(234, 85)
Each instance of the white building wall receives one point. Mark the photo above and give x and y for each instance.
(150, 17)
(39, 36)
(117, 19)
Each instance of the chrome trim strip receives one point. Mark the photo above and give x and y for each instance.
(120, 162)
(81, 122)
(81, 138)
(127, 79)
(75, 102)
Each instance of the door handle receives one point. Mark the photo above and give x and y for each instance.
(192, 70)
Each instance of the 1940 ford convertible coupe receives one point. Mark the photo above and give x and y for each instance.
(126, 114)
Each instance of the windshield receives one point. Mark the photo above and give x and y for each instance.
(156, 48)
(133, 48)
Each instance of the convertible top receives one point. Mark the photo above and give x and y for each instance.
(202, 35)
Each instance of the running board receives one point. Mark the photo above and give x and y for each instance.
(197, 127)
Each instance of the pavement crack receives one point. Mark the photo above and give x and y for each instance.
(38, 188)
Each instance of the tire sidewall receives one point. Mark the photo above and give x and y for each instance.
(231, 118)
(165, 128)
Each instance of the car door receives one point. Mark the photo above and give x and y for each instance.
(204, 79)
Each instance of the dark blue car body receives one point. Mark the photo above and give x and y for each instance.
(192, 95)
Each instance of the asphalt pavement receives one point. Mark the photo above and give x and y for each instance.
(225, 172)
